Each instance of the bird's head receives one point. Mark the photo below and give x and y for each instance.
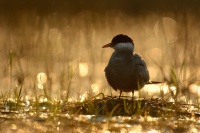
(120, 42)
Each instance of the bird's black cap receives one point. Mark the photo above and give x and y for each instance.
(120, 38)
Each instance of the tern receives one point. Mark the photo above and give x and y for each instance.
(126, 70)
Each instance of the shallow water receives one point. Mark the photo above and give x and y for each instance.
(61, 123)
(50, 118)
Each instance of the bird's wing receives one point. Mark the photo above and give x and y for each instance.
(110, 76)
(141, 67)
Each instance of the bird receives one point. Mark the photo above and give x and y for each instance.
(126, 70)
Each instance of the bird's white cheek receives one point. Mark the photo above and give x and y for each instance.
(124, 46)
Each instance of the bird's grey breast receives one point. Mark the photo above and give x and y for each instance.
(119, 68)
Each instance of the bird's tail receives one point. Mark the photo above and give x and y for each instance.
(154, 82)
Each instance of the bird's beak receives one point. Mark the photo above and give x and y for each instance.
(107, 45)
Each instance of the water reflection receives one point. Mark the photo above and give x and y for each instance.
(52, 120)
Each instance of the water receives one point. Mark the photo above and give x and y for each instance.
(150, 116)
(30, 123)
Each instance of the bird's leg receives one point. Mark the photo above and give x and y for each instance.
(132, 95)
(120, 94)
(132, 102)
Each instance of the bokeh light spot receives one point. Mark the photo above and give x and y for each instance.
(83, 69)
(42, 78)
(95, 88)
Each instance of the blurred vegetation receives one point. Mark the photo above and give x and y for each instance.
(56, 36)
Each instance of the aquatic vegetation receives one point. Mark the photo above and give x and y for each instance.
(107, 114)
